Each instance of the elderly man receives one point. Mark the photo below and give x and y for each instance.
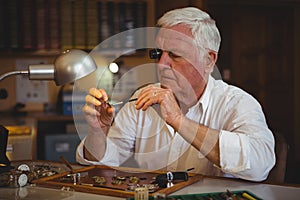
(188, 119)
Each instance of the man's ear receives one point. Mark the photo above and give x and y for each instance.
(210, 61)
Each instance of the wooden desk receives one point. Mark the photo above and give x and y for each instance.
(205, 185)
(265, 191)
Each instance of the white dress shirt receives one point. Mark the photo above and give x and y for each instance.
(245, 141)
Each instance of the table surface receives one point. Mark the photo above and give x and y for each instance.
(205, 185)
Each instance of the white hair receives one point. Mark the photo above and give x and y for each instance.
(203, 27)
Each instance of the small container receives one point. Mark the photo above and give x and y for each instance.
(141, 193)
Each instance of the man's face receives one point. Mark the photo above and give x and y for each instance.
(180, 67)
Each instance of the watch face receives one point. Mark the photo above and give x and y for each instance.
(23, 167)
(22, 180)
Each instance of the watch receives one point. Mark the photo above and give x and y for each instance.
(24, 168)
(22, 180)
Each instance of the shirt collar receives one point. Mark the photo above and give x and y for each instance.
(204, 99)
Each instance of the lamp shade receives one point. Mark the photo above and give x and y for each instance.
(72, 65)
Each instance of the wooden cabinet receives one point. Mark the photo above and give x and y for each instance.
(257, 40)
(259, 43)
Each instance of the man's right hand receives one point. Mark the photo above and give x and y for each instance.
(97, 111)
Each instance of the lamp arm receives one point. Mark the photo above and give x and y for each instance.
(12, 73)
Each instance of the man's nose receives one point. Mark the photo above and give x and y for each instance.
(164, 59)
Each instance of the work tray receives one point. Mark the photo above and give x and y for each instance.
(87, 180)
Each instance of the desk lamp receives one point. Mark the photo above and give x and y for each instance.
(68, 67)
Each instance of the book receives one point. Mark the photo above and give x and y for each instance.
(110, 19)
(104, 29)
(79, 22)
(66, 24)
(140, 13)
(13, 26)
(3, 25)
(53, 25)
(127, 23)
(41, 24)
(140, 17)
(92, 24)
(28, 25)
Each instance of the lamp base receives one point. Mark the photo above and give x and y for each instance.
(5, 169)
(4, 161)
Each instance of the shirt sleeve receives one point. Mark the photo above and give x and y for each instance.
(246, 144)
(110, 157)
(119, 141)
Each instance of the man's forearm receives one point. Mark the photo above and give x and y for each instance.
(204, 139)
(94, 146)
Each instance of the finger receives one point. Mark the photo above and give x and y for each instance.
(147, 99)
(98, 93)
(111, 111)
(146, 94)
(90, 111)
(94, 92)
(147, 104)
(91, 100)
(104, 95)
(142, 99)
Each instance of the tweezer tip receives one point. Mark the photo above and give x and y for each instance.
(118, 103)
(123, 102)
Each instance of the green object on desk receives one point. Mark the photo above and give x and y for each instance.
(235, 195)
(238, 195)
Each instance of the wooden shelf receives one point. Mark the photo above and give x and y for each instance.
(46, 27)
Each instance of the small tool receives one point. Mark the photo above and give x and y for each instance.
(123, 102)
(67, 164)
(165, 180)
(75, 176)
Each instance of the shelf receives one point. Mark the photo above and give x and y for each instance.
(5, 53)
(47, 27)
